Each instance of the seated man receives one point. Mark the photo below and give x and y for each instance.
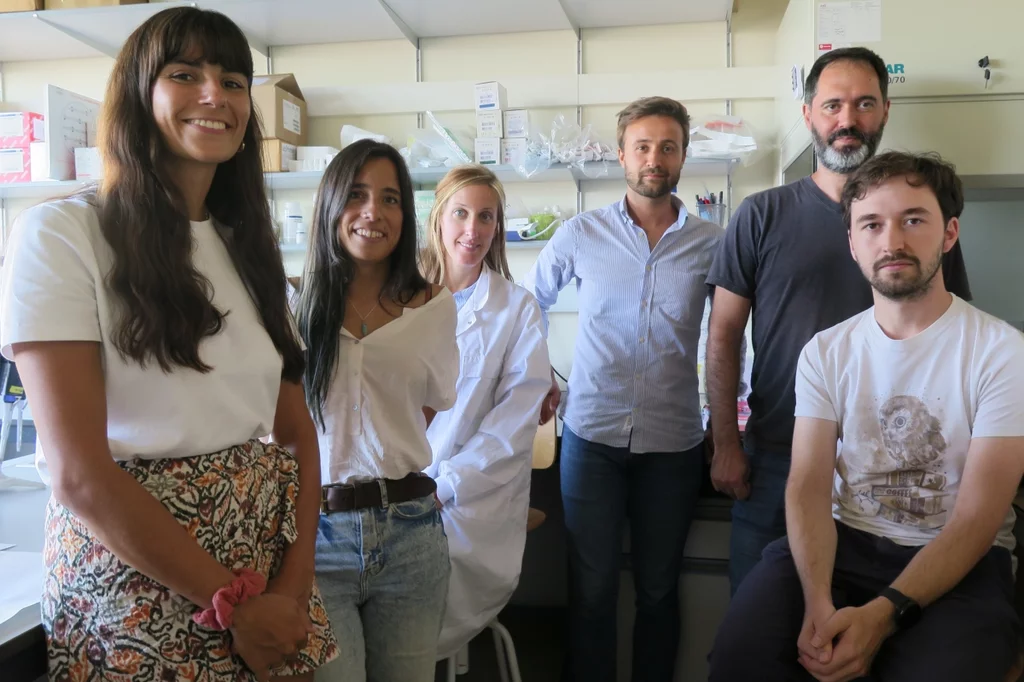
(898, 560)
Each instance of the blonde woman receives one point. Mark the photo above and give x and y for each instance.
(482, 446)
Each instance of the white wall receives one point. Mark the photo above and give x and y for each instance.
(493, 57)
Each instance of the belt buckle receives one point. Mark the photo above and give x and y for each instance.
(323, 501)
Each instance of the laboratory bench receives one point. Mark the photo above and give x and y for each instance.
(22, 514)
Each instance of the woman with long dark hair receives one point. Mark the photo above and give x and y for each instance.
(382, 360)
(149, 323)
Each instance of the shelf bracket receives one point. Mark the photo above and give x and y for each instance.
(401, 25)
(568, 17)
(85, 40)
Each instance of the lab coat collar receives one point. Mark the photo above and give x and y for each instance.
(477, 300)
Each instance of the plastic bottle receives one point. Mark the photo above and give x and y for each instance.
(292, 217)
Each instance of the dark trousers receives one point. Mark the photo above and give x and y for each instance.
(601, 487)
(971, 634)
(761, 518)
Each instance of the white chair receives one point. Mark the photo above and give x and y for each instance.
(504, 647)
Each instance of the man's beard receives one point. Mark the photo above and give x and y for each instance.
(903, 288)
(848, 159)
(652, 188)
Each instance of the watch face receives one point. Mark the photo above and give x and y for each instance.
(909, 614)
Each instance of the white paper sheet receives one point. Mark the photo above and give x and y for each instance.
(21, 575)
(846, 22)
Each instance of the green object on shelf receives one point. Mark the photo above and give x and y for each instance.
(539, 223)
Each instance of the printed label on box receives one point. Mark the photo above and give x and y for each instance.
(11, 125)
(291, 117)
(288, 151)
(516, 123)
(13, 160)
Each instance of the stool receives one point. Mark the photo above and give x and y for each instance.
(504, 647)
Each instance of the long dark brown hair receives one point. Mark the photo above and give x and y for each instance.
(329, 268)
(166, 301)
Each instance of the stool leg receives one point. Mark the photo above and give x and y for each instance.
(451, 669)
(502, 634)
(462, 660)
(499, 652)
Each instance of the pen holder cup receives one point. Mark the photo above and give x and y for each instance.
(714, 213)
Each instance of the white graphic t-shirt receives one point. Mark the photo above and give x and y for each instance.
(907, 411)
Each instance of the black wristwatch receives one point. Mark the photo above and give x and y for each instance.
(907, 611)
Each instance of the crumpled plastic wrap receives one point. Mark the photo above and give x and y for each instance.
(567, 143)
(725, 137)
(434, 147)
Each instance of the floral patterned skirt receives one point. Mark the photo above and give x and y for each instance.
(106, 621)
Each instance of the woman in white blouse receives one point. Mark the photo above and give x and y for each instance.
(482, 448)
(381, 359)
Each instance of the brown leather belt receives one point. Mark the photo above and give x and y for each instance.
(340, 498)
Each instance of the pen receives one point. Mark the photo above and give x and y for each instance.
(721, 197)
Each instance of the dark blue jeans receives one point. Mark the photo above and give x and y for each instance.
(601, 487)
(761, 518)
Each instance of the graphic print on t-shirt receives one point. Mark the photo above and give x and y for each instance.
(911, 493)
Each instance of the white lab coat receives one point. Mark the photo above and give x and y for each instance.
(483, 451)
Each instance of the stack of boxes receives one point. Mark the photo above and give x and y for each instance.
(19, 130)
(285, 128)
(500, 132)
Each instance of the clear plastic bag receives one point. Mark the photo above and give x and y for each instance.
(566, 144)
(434, 147)
(725, 137)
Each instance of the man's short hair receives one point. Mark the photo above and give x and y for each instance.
(654, 106)
(919, 170)
(849, 54)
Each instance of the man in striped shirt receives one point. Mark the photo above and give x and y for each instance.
(633, 442)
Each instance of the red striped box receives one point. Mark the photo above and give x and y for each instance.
(15, 165)
(20, 129)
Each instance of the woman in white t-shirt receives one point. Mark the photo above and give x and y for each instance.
(382, 359)
(482, 447)
(149, 324)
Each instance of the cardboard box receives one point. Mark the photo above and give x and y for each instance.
(21, 128)
(490, 95)
(282, 107)
(88, 165)
(488, 123)
(513, 151)
(276, 155)
(487, 151)
(517, 123)
(77, 4)
(15, 165)
(20, 5)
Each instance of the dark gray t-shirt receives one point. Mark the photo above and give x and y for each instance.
(787, 250)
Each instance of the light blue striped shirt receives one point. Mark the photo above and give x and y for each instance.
(634, 374)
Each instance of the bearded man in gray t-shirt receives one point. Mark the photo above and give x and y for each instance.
(786, 258)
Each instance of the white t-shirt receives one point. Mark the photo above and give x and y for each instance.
(373, 416)
(54, 289)
(907, 411)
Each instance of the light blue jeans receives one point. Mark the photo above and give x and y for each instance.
(383, 574)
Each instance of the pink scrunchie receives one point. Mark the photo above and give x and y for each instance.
(220, 616)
